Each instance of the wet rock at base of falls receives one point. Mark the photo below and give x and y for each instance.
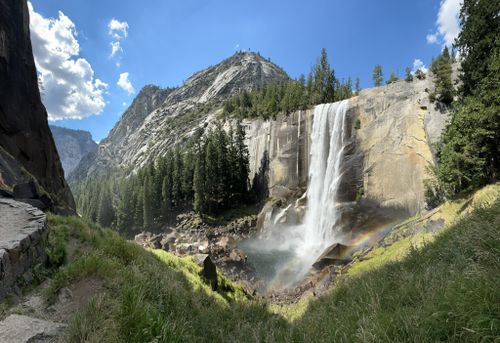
(334, 254)
(209, 270)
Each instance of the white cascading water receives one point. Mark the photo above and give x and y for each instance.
(289, 251)
(327, 149)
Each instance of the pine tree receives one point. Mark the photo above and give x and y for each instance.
(106, 212)
(441, 68)
(125, 211)
(241, 163)
(199, 203)
(408, 75)
(378, 77)
(148, 208)
(392, 78)
(358, 86)
(469, 154)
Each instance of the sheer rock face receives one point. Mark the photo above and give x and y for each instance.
(387, 157)
(72, 145)
(24, 132)
(158, 118)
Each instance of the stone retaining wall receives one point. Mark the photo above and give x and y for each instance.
(23, 237)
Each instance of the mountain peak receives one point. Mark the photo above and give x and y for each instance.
(144, 124)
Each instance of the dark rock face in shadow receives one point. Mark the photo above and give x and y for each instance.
(24, 131)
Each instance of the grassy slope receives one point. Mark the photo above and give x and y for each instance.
(446, 290)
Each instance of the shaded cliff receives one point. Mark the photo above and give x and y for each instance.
(27, 148)
(72, 146)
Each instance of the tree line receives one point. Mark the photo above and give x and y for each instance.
(321, 86)
(469, 152)
(209, 174)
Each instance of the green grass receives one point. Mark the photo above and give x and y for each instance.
(446, 290)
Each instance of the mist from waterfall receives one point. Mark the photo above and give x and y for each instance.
(289, 251)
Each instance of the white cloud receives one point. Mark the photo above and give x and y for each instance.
(124, 104)
(118, 30)
(115, 48)
(125, 84)
(448, 24)
(432, 38)
(69, 87)
(418, 64)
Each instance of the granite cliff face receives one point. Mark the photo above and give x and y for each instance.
(387, 157)
(159, 118)
(27, 149)
(72, 145)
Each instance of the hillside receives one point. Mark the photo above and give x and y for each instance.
(111, 290)
(72, 146)
(160, 118)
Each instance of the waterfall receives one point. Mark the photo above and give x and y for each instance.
(288, 250)
(328, 141)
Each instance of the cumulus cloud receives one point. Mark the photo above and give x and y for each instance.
(418, 65)
(118, 30)
(69, 88)
(447, 23)
(125, 84)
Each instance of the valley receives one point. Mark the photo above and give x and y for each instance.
(246, 203)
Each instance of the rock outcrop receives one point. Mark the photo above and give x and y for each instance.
(160, 118)
(23, 329)
(393, 130)
(72, 145)
(23, 235)
(27, 149)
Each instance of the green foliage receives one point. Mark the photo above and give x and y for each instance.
(469, 153)
(442, 69)
(360, 191)
(285, 97)
(209, 174)
(477, 42)
(357, 86)
(57, 246)
(357, 124)
(408, 75)
(377, 76)
(392, 78)
(448, 286)
(419, 74)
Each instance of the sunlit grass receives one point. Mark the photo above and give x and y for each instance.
(445, 290)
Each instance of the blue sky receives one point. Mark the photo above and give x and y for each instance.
(164, 42)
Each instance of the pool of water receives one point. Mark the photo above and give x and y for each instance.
(278, 266)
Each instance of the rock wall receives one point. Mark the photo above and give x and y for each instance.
(24, 132)
(72, 146)
(393, 129)
(23, 235)
(279, 153)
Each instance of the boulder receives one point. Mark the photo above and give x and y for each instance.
(19, 329)
(227, 243)
(209, 272)
(334, 254)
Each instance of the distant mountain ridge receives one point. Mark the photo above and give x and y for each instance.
(72, 145)
(159, 118)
